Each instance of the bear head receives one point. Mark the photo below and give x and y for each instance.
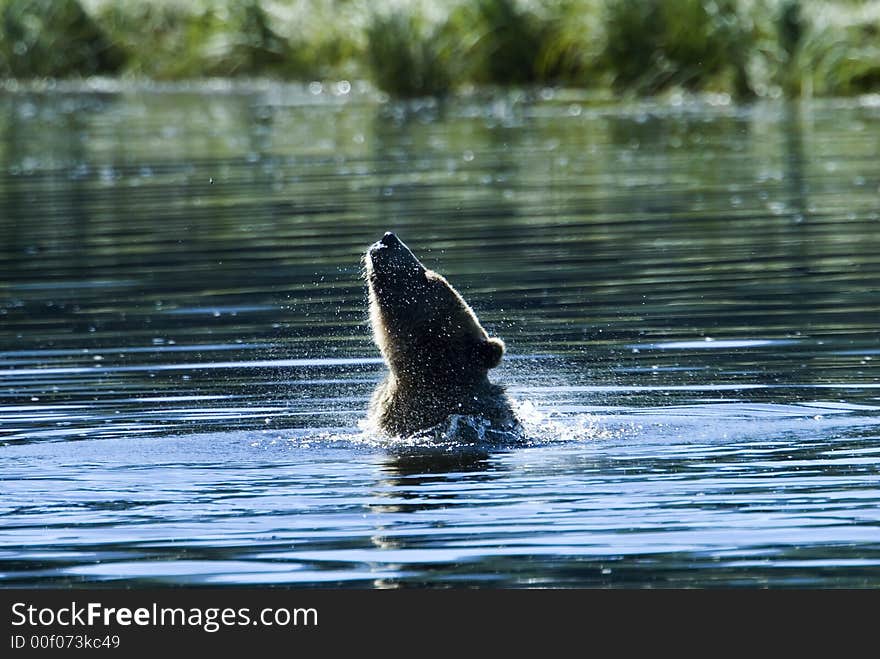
(427, 333)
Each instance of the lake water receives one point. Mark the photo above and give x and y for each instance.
(689, 292)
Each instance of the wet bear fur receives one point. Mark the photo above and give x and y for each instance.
(438, 354)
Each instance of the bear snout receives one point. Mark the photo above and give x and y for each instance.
(386, 242)
(390, 256)
(389, 240)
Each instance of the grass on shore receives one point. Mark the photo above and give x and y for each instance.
(743, 48)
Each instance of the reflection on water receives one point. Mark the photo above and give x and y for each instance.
(689, 295)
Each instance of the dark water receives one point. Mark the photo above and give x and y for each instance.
(688, 292)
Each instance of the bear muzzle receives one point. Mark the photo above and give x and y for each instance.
(390, 257)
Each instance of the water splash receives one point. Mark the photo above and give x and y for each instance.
(455, 432)
(545, 426)
(460, 431)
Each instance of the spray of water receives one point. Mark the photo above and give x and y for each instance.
(537, 426)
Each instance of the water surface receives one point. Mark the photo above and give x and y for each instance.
(688, 291)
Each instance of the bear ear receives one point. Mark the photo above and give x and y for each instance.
(491, 351)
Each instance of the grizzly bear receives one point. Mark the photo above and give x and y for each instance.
(438, 354)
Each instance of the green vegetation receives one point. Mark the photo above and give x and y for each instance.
(53, 38)
(409, 55)
(693, 44)
(418, 47)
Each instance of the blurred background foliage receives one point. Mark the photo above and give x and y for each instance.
(744, 48)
